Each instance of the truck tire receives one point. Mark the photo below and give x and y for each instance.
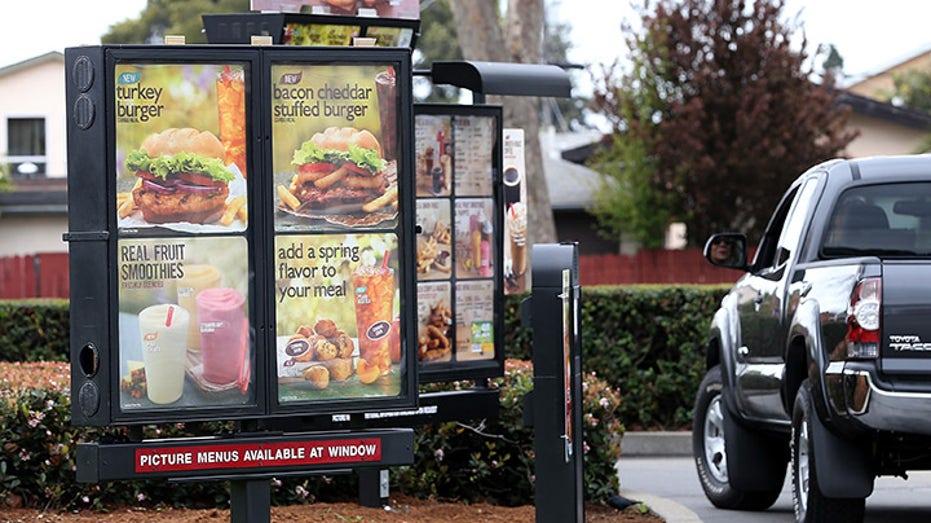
(708, 448)
(810, 504)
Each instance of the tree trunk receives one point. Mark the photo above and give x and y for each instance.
(522, 43)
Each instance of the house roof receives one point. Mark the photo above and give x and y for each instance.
(570, 185)
(32, 62)
(885, 111)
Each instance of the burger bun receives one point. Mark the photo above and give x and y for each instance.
(173, 141)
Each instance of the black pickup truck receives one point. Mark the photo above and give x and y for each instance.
(820, 355)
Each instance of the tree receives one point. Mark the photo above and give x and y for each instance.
(518, 40)
(912, 89)
(170, 17)
(715, 115)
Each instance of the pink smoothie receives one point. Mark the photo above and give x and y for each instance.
(222, 317)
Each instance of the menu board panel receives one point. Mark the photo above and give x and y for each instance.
(185, 338)
(338, 164)
(180, 147)
(182, 212)
(334, 146)
(458, 153)
(337, 302)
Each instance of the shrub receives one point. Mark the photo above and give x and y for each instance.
(34, 330)
(491, 460)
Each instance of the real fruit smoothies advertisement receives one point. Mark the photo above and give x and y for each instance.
(184, 335)
(180, 147)
(337, 316)
(334, 146)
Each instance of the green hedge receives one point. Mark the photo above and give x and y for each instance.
(646, 341)
(485, 460)
(34, 330)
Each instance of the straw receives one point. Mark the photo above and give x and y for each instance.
(384, 261)
(171, 312)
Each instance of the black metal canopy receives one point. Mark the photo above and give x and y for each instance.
(504, 78)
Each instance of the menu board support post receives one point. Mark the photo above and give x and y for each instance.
(373, 487)
(250, 501)
(556, 403)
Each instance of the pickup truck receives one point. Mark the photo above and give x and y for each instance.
(820, 355)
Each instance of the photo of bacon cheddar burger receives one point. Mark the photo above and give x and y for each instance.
(182, 175)
(338, 167)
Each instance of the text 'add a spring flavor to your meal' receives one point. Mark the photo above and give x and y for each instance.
(181, 147)
(337, 308)
(184, 335)
(335, 146)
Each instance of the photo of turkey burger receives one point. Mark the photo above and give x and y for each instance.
(183, 178)
(337, 167)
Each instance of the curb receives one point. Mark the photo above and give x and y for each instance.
(667, 509)
(673, 443)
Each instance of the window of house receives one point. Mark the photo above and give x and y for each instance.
(25, 149)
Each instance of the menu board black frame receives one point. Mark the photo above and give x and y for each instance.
(450, 218)
(106, 251)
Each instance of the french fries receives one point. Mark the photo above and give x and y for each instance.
(289, 199)
(232, 210)
(391, 195)
(125, 205)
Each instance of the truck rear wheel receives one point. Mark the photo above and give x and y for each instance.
(810, 504)
(710, 453)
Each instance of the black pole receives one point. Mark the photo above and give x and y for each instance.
(250, 501)
(556, 403)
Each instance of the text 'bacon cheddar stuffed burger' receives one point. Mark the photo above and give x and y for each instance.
(339, 166)
(183, 176)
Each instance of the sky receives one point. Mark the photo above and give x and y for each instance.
(869, 35)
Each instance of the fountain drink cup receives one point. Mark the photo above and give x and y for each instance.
(231, 106)
(222, 318)
(374, 301)
(196, 278)
(163, 330)
(386, 90)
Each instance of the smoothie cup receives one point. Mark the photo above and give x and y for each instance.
(374, 301)
(517, 229)
(222, 317)
(163, 330)
(196, 278)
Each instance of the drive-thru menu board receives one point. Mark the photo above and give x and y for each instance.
(458, 157)
(251, 233)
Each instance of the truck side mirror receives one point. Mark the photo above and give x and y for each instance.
(727, 249)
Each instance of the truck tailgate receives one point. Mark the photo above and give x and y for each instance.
(906, 319)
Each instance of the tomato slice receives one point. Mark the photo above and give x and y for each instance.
(199, 179)
(320, 167)
(146, 175)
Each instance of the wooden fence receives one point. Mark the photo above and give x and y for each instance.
(652, 266)
(45, 275)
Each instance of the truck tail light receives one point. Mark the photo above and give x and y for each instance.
(863, 320)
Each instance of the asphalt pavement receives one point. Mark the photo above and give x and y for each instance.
(657, 469)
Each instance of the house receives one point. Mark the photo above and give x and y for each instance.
(34, 215)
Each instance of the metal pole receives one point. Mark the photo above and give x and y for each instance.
(250, 501)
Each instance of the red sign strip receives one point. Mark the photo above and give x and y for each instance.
(257, 455)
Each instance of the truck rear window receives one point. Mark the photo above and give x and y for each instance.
(880, 220)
